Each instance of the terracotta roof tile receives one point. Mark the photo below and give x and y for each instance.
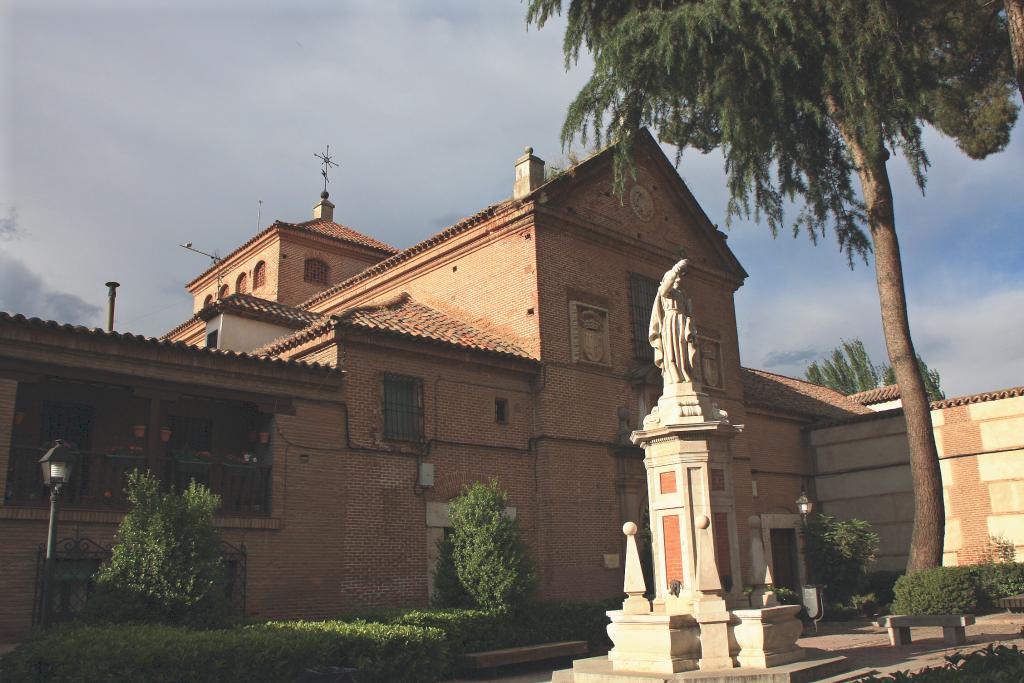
(339, 232)
(404, 255)
(890, 392)
(319, 227)
(790, 395)
(181, 326)
(407, 318)
(999, 394)
(21, 320)
(262, 309)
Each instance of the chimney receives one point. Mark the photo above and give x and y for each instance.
(529, 174)
(323, 209)
(111, 295)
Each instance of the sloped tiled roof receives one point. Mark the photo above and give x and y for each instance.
(1012, 392)
(318, 227)
(78, 330)
(406, 254)
(338, 231)
(261, 309)
(406, 318)
(790, 395)
(181, 326)
(890, 392)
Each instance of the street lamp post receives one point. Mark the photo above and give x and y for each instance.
(57, 466)
(804, 506)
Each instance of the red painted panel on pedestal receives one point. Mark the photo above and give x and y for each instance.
(673, 548)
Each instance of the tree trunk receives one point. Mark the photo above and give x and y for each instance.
(929, 514)
(1015, 20)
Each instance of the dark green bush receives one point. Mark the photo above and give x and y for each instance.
(271, 653)
(994, 664)
(472, 630)
(448, 590)
(998, 581)
(865, 605)
(165, 566)
(489, 557)
(881, 583)
(839, 553)
(941, 590)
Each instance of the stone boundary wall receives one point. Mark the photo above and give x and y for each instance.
(862, 471)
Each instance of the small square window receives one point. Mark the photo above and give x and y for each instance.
(501, 411)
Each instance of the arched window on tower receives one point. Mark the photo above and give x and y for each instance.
(241, 284)
(316, 271)
(208, 300)
(223, 292)
(259, 275)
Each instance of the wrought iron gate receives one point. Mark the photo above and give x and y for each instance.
(77, 559)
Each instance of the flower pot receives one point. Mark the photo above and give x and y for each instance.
(264, 437)
(139, 431)
(165, 434)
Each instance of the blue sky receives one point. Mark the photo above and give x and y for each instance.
(131, 126)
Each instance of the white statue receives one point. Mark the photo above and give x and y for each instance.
(672, 333)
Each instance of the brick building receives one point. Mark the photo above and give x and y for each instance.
(337, 392)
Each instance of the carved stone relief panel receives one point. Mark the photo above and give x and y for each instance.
(711, 361)
(588, 327)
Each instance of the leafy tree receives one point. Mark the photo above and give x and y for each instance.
(490, 560)
(839, 553)
(448, 590)
(166, 564)
(932, 381)
(850, 371)
(801, 97)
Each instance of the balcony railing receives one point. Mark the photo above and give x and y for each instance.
(99, 479)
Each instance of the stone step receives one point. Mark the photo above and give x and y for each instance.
(849, 676)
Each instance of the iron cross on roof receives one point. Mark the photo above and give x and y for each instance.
(325, 161)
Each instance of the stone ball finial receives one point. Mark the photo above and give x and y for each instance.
(629, 528)
(703, 521)
(324, 195)
(754, 521)
(528, 150)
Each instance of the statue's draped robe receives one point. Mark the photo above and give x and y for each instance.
(672, 336)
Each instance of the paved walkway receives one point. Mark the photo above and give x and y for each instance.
(865, 644)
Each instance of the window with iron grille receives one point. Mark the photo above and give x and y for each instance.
(642, 291)
(259, 275)
(315, 271)
(224, 291)
(241, 284)
(403, 408)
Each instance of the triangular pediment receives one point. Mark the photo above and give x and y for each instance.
(656, 207)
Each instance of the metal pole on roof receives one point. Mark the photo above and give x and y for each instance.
(111, 295)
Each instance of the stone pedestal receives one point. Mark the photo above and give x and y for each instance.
(767, 637)
(654, 643)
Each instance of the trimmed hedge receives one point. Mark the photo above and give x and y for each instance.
(273, 652)
(957, 590)
(384, 645)
(469, 630)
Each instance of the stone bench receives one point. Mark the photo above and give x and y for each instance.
(1014, 603)
(952, 627)
(518, 655)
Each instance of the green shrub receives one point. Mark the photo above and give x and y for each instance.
(839, 553)
(165, 566)
(490, 559)
(998, 581)
(448, 590)
(941, 590)
(994, 664)
(474, 630)
(881, 583)
(274, 652)
(864, 605)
